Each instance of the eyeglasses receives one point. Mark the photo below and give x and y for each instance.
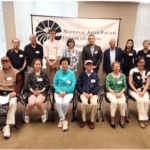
(140, 62)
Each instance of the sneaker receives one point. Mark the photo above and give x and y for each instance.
(91, 125)
(60, 124)
(26, 119)
(6, 131)
(82, 124)
(142, 124)
(65, 125)
(43, 117)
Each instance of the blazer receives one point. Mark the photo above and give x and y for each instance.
(106, 63)
(96, 58)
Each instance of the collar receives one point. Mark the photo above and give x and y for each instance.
(14, 50)
(35, 46)
(88, 73)
(72, 50)
(7, 69)
(112, 49)
(63, 72)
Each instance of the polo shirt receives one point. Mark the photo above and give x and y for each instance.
(31, 53)
(146, 57)
(17, 59)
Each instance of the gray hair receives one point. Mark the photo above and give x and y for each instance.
(32, 35)
(111, 39)
(146, 41)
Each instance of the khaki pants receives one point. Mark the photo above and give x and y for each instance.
(50, 70)
(12, 111)
(30, 69)
(114, 103)
(93, 105)
(142, 105)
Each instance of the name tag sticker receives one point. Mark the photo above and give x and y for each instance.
(21, 55)
(37, 52)
(93, 81)
(119, 82)
(68, 82)
(130, 54)
(96, 52)
(148, 55)
(9, 78)
(74, 55)
(40, 79)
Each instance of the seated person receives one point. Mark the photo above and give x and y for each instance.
(10, 84)
(64, 84)
(88, 86)
(38, 85)
(139, 83)
(116, 86)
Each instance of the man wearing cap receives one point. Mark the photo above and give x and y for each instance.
(10, 84)
(88, 86)
(16, 57)
(92, 52)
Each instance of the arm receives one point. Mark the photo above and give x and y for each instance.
(100, 58)
(134, 58)
(55, 83)
(146, 85)
(77, 56)
(105, 62)
(96, 86)
(83, 55)
(121, 59)
(18, 83)
(131, 84)
(79, 84)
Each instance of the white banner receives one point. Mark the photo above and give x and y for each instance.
(77, 29)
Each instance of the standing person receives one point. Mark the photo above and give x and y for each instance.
(64, 84)
(10, 85)
(110, 55)
(52, 54)
(32, 51)
(139, 83)
(72, 54)
(92, 52)
(129, 56)
(16, 57)
(145, 53)
(88, 86)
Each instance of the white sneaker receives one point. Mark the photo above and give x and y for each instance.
(6, 131)
(65, 125)
(43, 117)
(26, 119)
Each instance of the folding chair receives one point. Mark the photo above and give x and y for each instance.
(74, 108)
(107, 100)
(25, 95)
(98, 102)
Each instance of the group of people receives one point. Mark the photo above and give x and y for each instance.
(121, 67)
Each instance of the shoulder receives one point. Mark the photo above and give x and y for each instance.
(27, 45)
(123, 75)
(85, 47)
(39, 46)
(118, 49)
(98, 47)
(21, 51)
(10, 51)
(108, 75)
(31, 74)
(107, 50)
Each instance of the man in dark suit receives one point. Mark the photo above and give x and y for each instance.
(92, 52)
(112, 54)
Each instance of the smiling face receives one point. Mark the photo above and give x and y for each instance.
(140, 64)
(15, 44)
(33, 40)
(146, 45)
(112, 43)
(64, 65)
(70, 44)
(116, 67)
(129, 44)
(52, 34)
(88, 67)
(91, 40)
(37, 65)
(6, 64)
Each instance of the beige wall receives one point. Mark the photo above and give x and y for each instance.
(126, 11)
(9, 22)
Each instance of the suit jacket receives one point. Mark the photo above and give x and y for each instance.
(107, 62)
(96, 58)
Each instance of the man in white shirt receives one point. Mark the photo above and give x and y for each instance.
(52, 54)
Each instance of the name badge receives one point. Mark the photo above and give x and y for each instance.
(119, 82)
(68, 82)
(40, 79)
(130, 54)
(9, 78)
(93, 81)
(37, 52)
(96, 52)
(147, 55)
(74, 55)
(21, 55)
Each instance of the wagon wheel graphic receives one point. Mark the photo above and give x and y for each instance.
(43, 28)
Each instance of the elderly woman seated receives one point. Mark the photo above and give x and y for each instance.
(38, 85)
(116, 86)
(139, 83)
(64, 84)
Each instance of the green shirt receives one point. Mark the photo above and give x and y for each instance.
(116, 84)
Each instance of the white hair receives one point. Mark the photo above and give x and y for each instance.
(32, 35)
(111, 39)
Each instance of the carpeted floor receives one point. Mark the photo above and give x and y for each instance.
(36, 135)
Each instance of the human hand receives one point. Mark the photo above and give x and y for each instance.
(13, 94)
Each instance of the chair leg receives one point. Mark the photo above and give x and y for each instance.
(24, 109)
(52, 120)
(97, 120)
(47, 112)
(103, 110)
(73, 119)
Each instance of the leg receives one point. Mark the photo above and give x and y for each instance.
(49, 72)
(31, 104)
(84, 106)
(39, 103)
(93, 104)
(146, 102)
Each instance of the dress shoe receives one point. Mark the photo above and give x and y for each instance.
(112, 125)
(142, 124)
(82, 124)
(91, 125)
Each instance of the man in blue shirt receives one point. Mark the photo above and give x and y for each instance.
(88, 86)
(145, 53)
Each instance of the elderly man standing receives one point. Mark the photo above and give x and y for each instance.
(10, 85)
(52, 54)
(32, 51)
(110, 55)
(88, 86)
